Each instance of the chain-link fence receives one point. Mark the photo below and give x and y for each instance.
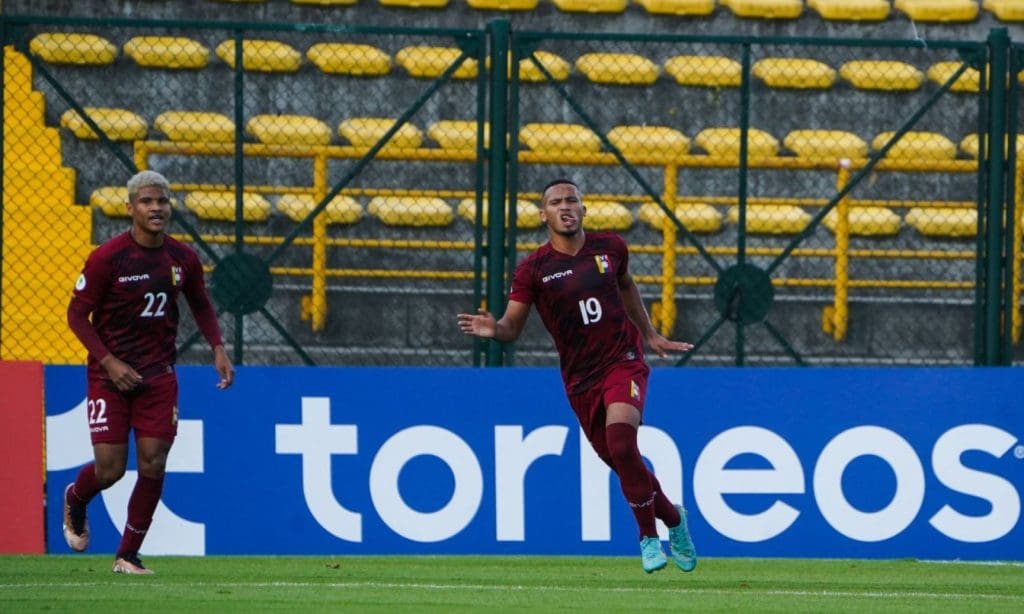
(785, 200)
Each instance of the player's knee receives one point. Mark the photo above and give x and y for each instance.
(108, 475)
(154, 466)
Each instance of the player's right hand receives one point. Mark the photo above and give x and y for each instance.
(480, 324)
(121, 374)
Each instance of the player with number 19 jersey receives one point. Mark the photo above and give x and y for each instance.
(132, 293)
(589, 282)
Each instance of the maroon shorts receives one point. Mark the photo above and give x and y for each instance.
(151, 410)
(624, 382)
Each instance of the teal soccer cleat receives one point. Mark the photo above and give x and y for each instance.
(651, 554)
(680, 544)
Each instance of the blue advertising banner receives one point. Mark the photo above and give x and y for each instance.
(875, 463)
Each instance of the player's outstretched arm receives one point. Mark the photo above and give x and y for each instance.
(636, 312)
(222, 363)
(508, 328)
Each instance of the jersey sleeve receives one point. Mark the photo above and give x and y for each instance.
(522, 284)
(199, 301)
(89, 291)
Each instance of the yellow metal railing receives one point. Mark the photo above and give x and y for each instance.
(835, 316)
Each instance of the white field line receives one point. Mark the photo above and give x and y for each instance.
(879, 595)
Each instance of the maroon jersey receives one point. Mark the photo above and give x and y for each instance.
(132, 293)
(578, 300)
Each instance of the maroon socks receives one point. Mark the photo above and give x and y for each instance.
(634, 477)
(141, 506)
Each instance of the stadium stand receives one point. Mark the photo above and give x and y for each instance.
(543, 136)
(502, 5)
(325, 2)
(415, 4)
(969, 145)
(649, 140)
(1005, 10)
(456, 134)
(969, 81)
(833, 144)
(556, 66)
(944, 222)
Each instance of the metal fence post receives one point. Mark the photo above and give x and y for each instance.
(497, 176)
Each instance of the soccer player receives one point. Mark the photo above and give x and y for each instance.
(130, 287)
(591, 306)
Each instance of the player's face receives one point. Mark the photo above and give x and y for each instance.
(151, 210)
(562, 209)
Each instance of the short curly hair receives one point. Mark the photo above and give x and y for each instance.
(145, 179)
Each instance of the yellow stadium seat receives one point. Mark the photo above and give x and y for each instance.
(772, 219)
(607, 215)
(831, 144)
(177, 52)
(939, 10)
(554, 64)
(288, 130)
(681, 8)
(591, 6)
(503, 5)
(326, 2)
(420, 211)
(794, 73)
(340, 210)
(969, 81)
(867, 221)
(917, 145)
(851, 10)
(201, 126)
(704, 70)
(349, 59)
(527, 213)
(969, 145)
(366, 131)
(220, 206)
(618, 68)
(884, 75)
(649, 140)
(116, 124)
(73, 48)
(415, 4)
(456, 134)
(1005, 10)
(430, 62)
(944, 222)
(766, 9)
(261, 55)
(560, 137)
(726, 142)
(111, 200)
(696, 217)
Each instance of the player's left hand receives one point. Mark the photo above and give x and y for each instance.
(662, 346)
(222, 363)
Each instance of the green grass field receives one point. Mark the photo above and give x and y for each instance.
(470, 583)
